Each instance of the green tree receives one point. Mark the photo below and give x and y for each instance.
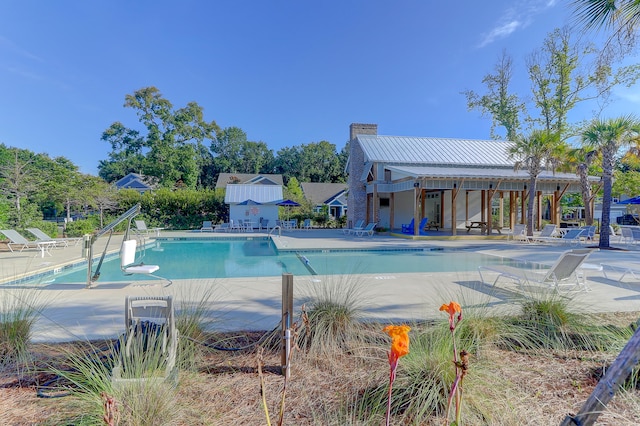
(287, 162)
(499, 103)
(608, 137)
(171, 148)
(535, 152)
(235, 154)
(580, 160)
(319, 163)
(19, 180)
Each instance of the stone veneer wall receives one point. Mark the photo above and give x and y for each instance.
(357, 200)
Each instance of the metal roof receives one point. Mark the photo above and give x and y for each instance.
(426, 150)
(263, 194)
(481, 173)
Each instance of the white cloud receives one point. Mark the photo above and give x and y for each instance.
(499, 32)
(629, 94)
(519, 15)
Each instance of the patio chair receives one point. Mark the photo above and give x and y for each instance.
(129, 266)
(613, 235)
(222, 227)
(150, 342)
(589, 233)
(15, 239)
(207, 225)
(141, 226)
(306, 224)
(626, 236)
(421, 226)
(408, 227)
(548, 231)
(60, 242)
(572, 236)
(369, 230)
(518, 233)
(622, 269)
(565, 271)
(358, 226)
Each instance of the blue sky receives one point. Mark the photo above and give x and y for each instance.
(287, 72)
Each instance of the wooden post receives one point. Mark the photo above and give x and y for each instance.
(287, 321)
(454, 211)
(608, 384)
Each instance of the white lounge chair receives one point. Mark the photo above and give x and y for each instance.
(142, 227)
(548, 231)
(15, 239)
(128, 265)
(60, 242)
(369, 230)
(207, 225)
(358, 226)
(572, 236)
(518, 233)
(565, 271)
(623, 269)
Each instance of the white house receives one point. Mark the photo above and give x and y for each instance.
(253, 202)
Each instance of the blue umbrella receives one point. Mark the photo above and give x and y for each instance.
(288, 204)
(634, 200)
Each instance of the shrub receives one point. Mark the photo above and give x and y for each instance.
(19, 310)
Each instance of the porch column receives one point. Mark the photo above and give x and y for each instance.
(513, 199)
(392, 209)
(539, 210)
(376, 203)
(416, 211)
(501, 211)
(483, 208)
(454, 213)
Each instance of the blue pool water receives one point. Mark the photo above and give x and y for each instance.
(259, 258)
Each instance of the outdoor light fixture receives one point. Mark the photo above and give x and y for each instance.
(416, 184)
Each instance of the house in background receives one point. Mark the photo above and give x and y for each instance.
(253, 202)
(225, 179)
(332, 195)
(134, 181)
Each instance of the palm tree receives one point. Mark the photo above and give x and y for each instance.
(535, 152)
(580, 161)
(615, 14)
(608, 136)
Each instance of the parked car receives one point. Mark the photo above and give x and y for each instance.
(628, 219)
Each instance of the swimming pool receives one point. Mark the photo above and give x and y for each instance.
(258, 257)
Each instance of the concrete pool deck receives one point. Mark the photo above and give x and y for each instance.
(73, 312)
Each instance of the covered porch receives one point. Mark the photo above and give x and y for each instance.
(466, 201)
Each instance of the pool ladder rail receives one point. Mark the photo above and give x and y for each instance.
(274, 228)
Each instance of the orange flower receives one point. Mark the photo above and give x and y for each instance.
(451, 309)
(399, 341)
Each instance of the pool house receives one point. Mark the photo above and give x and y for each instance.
(455, 183)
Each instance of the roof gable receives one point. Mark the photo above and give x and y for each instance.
(321, 192)
(442, 151)
(225, 179)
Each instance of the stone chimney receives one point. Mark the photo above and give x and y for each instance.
(357, 200)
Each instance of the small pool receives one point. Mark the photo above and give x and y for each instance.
(258, 257)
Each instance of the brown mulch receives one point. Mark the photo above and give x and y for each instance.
(538, 388)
